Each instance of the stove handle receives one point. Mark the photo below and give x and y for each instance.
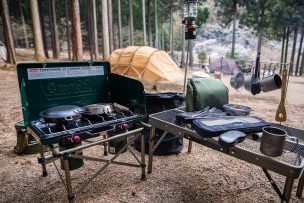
(68, 118)
(99, 133)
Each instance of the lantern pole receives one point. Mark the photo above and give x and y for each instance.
(186, 68)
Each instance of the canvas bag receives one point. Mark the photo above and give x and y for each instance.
(202, 92)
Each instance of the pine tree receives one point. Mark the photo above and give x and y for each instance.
(228, 12)
(39, 51)
(8, 36)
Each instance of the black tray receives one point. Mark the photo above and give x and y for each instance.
(212, 127)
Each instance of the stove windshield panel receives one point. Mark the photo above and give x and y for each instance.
(44, 85)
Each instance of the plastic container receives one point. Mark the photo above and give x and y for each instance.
(117, 144)
(26, 143)
(73, 162)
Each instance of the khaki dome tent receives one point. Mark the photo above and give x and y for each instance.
(145, 63)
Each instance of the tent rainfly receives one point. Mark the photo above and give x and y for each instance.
(144, 63)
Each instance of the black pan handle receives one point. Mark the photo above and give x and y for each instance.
(257, 66)
(68, 118)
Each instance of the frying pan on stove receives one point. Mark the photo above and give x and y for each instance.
(98, 109)
(62, 113)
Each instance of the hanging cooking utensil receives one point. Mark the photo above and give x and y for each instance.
(62, 113)
(255, 86)
(281, 111)
(98, 109)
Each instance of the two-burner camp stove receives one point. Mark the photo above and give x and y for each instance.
(45, 86)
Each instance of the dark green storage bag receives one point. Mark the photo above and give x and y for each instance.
(202, 92)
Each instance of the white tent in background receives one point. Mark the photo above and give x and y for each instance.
(225, 66)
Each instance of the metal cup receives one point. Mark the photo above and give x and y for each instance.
(248, 83)
(273, 141)
(271, 83)
(237, 81)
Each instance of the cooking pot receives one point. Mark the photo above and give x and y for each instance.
(237, 81)
(97, 109)
(273, 141)
(62, 113)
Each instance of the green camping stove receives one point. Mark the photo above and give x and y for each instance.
(48, 86)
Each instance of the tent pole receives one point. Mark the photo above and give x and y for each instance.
(186, 67)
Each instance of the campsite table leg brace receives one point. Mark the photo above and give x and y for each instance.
(247, 151)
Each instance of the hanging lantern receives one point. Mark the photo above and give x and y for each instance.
(190, 13)
(190, 8)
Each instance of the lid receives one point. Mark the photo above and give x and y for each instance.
(45, 85)
(237, 108)
(62, 111)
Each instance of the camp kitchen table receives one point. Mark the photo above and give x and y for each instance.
(289, 164)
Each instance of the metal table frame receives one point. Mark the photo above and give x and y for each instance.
(66, 154)
(291, 172)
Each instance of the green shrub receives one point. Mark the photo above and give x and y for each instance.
(202, 57)
(242, 63)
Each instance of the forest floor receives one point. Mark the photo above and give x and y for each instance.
(204, 175)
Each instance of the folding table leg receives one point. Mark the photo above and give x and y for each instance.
(288, 188)
(71, 195)
(105, 147)
(44, 171)
(190, 146)
(151, 146)
(143, 161)
(300, 186)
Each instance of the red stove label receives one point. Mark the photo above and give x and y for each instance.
(64, 72)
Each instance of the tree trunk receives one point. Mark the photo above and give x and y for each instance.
(76, 31)
(44, 37)
(95, 35)
(295, 37)
(286, 45)
(129, 30)
(299, 52)
(182, 65)
(66, 10)
(144, 21)
(261, 26)
(156, 24)
(7, 31)
(23, 26)
(162, 34)
(115, 33)
(90, 29)
(234, 27)
(302, 64)
(171, 28)
(149, 23)
(110, 19)
(105, 32)
(54, 30)
(282, 51)
(39, 51)
(131, 23)
(119, 25)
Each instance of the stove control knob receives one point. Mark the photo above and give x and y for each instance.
(76, 139)
(125, 126)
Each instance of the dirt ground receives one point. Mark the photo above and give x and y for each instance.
(204, 175)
